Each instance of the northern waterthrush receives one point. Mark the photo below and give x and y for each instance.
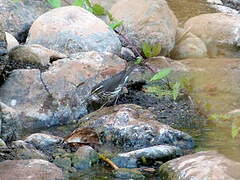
(109, 90)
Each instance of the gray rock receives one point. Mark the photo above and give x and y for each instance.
(202, 165)
(43, 141)
(17, 17)
(27, 151)
(63, 162)
(131, 127)
(147, 21)
(160, 152)
(72, 29)
(30, 169)
(85, 158)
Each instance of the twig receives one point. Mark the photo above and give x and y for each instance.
(105, 159)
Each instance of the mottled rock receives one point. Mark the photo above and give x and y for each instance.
(35, 99)
(202, 165)
(63, 162)
(131, 127)
(72, 29)
(222, 35)
(160, 152)
(27, 151)
(11, 41)
(147, 21)
(17, 17)
(188, 45)
(34, 53)
(3, 42)
(30, 169)
(85, 157)
(123, 173)
(43, 141)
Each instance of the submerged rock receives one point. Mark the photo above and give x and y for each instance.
(131, 127)
(202, 165)
(147, 21)
(124, 173)
(30, 169)
(72, 29)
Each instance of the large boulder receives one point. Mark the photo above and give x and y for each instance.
(30, 169)
(73, 29)
(131, 127)
(219, 31)
(208, 165)
(147, 21)
(33, 99)
(17, 16)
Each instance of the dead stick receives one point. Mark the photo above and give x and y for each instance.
(105, 159)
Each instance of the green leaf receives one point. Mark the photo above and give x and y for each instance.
(147, 50)
(176, 90)
(156, 49)
(78, 3)
(115, 24)
(161, 74)
(235, 131)
(55, 3)
(98, 10)
(138, 60)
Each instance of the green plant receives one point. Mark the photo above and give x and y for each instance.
(151, 50)
(115, 24)
(173, 89)
(55, 3)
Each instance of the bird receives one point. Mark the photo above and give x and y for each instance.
(108, 91)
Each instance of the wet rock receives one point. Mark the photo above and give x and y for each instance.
(127, 54)
(63, 162)
(125, 162)
(222, 36)
(160, 152)
(124, 173)
(17, 17)
(81, 32)
(85, 157)
(2, 144)
(35, 99)
(147, 21)
(30, 169)
(188, 46)
(43, 141)
(235, 4)
(34, 54)
(131, 127)
(201, 165)
(11, 41)
(25, 150)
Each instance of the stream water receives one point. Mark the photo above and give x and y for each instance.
(212, 136)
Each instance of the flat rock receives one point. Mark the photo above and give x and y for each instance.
(208, 165)
(72, 29)
(30, 169)
(131, 127)
(147, 21)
